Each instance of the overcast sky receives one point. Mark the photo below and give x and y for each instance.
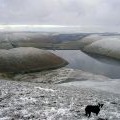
(86, 13)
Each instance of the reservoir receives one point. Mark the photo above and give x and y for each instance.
(90, 63)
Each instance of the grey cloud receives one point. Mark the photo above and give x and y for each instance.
(63, 12)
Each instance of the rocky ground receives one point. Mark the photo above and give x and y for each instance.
(60, 75)
(42, 101)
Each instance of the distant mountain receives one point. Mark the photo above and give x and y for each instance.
(46, 40)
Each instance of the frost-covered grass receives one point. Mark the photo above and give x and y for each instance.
(50, 76)
(34, 101)
(57, 76)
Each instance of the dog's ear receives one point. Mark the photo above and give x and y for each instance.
(101, 105)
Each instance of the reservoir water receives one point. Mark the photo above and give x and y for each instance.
(91, 63)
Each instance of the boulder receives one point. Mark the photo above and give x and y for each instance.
(26, 59)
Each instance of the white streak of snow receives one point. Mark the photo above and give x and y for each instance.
(45, 89)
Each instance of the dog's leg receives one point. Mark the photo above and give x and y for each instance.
(86, 114)
(89, 114)
(97, 113)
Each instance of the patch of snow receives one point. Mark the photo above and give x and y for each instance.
(5, 118)
(62, 111)
(45, 89)
(24, 112)
(28, 99)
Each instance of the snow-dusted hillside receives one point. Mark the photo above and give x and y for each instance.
(26, 101)
(24, 59)
(89, 39)
(103, 45)
(108, 47)
(27, 98)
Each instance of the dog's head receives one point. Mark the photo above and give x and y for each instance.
(100, 105)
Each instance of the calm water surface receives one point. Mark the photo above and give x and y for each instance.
(91, 63)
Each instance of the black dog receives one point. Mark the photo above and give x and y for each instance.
(93, 108)
(102, 119)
